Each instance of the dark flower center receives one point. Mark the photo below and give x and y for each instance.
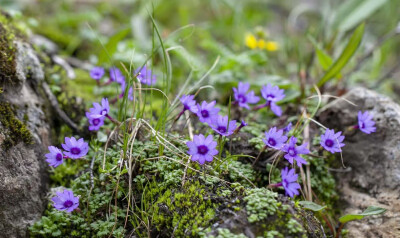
(68, 203)
(241, 98)
(59, 157)
(362, 125)
(75, 151)
(222, 129)
(292, 152)
(205, 113)
(271, 96)
(185, 107)
(271, 141)
(96, 121)
(329, 142)
(103, 112)
(202, 149)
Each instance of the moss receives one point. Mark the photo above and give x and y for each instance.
(225, 233)
(184, 213)
(15, 131)
(261, 203)
(8, 33)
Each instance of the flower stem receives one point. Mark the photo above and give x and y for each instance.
(260, 106)
(258, 156)
(116, 122)
(275, 185)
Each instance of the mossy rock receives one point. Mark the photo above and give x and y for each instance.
(8, 33)
(13, 130)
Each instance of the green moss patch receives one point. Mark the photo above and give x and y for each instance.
(15, 131)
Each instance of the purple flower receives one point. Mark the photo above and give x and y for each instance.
(242, 97)
(100, 111)
(55, 157)
(75, 149)
(95, 122)
(202, 149)
(65, 201)
(116, 75)
(332, 142)
(220, 125)
(287, 129)
(130, 91)
(289, 182)
(273, 94)
(206, 111)
(189, 103)
(97, 73)
(146, 76)
(294, 151)
(275, 139)
(366, 122)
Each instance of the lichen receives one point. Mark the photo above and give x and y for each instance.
(15, 131)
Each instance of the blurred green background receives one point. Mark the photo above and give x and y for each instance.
(196, 32)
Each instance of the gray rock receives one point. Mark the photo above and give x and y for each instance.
(24, 137)
(374, 159)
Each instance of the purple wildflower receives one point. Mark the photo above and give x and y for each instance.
(95, 122)
(146, 76)
(206, 111)
(55, 157)
(189, 103)
(332, 142)
(289, 182)
(116, 75)
(242, 97)
(242, 124)
(130, 91)
(75, 149)
(274, 138)
(97, 73)
(287, 129)
(100, 111)
(365, 122)
(220, 125)
(294, 151)
(202, 149)
(65, 201)
(272, 94)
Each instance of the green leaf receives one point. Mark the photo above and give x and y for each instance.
(311, 206)
(346, 55)
(352, 12)
(371, 210)
(323, 58)
(111, 47)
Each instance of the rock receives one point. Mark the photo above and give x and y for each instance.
(374, 161)
(24, 134)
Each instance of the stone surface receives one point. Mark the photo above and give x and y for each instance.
(24, 137)
(373, 161)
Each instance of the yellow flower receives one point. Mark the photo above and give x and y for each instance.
(271, 46)
(251, 41)
(261, 44)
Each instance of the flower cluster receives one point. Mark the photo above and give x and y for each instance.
(97, 114)
(271, 94)
(144, 75)
(73, 149)
(252, 42)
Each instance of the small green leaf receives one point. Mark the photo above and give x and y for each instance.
(368, 212)
(346, 55)
(312, 206)
(111, 47)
